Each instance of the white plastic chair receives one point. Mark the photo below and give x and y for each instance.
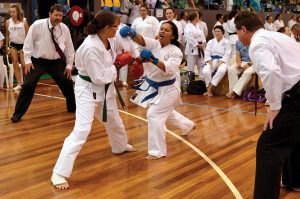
(11, 72)
(3, 70)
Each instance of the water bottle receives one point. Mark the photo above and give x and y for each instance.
(185, 86)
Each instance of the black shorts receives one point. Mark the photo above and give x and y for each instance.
(16, 46)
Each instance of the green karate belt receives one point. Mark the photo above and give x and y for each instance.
(104, 113)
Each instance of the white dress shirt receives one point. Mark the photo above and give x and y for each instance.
(39, 44)
(274, 56)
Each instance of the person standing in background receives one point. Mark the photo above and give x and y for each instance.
(16, 30)
(48, 48)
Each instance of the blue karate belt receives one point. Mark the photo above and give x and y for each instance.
(104, 112)
(155, 85)
(215, 57)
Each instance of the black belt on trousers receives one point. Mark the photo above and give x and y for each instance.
(294, 91)
(43, 61)
(104, 112)
(232, 33)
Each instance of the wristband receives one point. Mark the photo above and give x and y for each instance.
(155, 61)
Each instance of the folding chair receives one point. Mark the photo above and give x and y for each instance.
(11, 72)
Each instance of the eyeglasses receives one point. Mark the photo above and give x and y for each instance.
(114, 26)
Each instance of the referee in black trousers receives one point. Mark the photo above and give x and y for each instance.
(275, 60)
(48, 48)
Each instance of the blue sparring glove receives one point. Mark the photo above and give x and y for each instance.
(146, 55)
(127, 31)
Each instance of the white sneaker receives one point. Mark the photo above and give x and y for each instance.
(125, 84)
(17, 88)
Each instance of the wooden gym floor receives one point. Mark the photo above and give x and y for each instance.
(216, 160)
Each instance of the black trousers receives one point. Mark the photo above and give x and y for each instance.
(278, 150)
(55, 68)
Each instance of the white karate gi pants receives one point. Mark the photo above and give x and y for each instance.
(237, 84)
(123, 73)
(208, 71)
(86, 110)
(158, 115)
(193, 60)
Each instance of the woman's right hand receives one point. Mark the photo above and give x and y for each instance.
(8, 51)
(201, 46)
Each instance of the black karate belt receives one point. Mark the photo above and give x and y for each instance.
(104, 112)
(232, 33)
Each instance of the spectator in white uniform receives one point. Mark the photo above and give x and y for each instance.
(170, 15)
(243, 65)
(195, 44)
(125, 9)
(162, 58)
(16, 30)
(278, 23)
(277, 154)
(269, 24)
(232, 31)
(184, 16)
(127, 45)
(145, 25)
(202, 25)
(219, 22)
(216, 60)
(135, 11)
(292, 21)
(95, 92)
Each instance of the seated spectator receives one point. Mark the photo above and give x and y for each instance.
(279, 21)
(269, 24)
(285, 30)
(216, 57)
(296, 32)
(243, 65)
(292, 21)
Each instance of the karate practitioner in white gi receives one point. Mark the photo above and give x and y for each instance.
(145, 25)
(195, 44)
(162, 58)
(217, 54)
(94, 60)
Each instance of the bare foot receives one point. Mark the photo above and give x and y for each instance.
(62, 186)
(188, 131)
(59, 181)
(130, 148)
(231, 95)
(208, 94)
(152, 157)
